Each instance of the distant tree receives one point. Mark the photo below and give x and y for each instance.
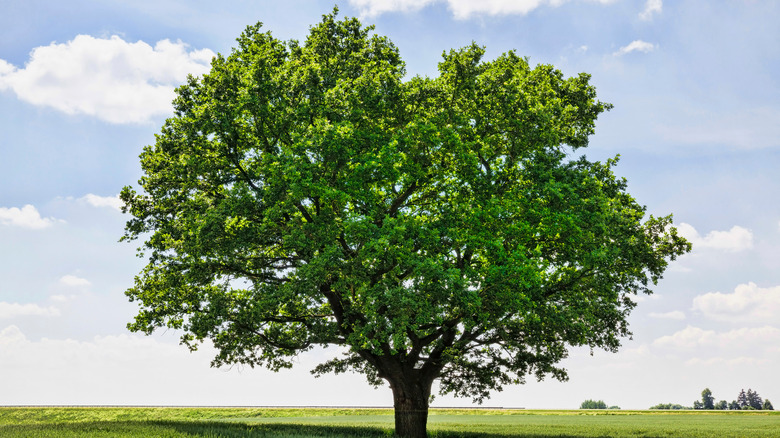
(593, 404)
(722, 405)
(768, 406)
(669, 406)
(614, 407)
(698, 405)
(707, 400)
(742, 399)
(734, 405)
(754, 400)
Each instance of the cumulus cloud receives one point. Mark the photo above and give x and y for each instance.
(60, 298)
(373, 8)
(735, 239)
(13, 310)
(675, 315)
(73, 281)
(11, 335)
(635, 46)
(25, 217)
(687, 338)
(6, 68)
(694, 337)
(108, 78)
(731, 362)
(461, 9)
(102, 201)
(652, 7)
(747, 304)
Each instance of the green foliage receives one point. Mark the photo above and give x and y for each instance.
(742, 399)
(305, 194)
(767, 406)
(722, 405)
(593, 404)
(707, 400)
(669, 406)
(748, 400)
(754, 400)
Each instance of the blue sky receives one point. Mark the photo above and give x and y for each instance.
(84, 86)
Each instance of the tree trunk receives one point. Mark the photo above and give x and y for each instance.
(410, 400)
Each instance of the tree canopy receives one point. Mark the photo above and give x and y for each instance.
(707, 400)
(593, 404)
(307, 194)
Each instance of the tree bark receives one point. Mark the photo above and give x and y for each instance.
(410, 401)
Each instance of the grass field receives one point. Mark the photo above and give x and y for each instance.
(48, 422)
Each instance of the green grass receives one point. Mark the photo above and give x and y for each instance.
(359, 423)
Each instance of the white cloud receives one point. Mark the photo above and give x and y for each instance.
(373, 8)
(747, 304)
(686, 338)
(59, 298)
(111, 79)
(25, 217)
(635, 46)
(652, 7)
(461, 9)
(6, 68)
(731, 362)
(766, 335)
(676, 315)
(103, 201)
(12, 310)
(735, 239)
(73, 281)
(745, 338)
(11, 335)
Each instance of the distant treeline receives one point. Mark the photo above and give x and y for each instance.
(749, 400)
(596, 404)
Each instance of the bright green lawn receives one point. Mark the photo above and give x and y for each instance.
(300, 423)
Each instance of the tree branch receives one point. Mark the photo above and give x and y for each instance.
(398, 202)
(304, 212)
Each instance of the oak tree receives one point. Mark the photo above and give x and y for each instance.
(309, 193)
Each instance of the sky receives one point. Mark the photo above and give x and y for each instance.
(86, 84)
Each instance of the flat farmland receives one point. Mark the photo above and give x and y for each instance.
(47, 422)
